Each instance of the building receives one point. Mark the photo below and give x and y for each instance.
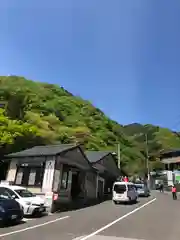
(63, 170)
(171, 160)
(104, 162)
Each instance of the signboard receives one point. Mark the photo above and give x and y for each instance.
(48, 176)
(177, 176)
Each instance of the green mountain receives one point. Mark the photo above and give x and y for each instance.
(153, 139)
(34, 113)
(158, 138)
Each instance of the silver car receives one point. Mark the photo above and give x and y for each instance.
(142, 190)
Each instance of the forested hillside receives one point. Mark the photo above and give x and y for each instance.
(153, 138)
(39, 113)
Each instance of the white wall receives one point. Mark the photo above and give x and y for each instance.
(12, 171)
(47, 178)
(48, 175)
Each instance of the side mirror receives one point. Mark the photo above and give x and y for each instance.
(14, 197)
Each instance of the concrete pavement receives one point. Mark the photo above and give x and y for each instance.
(147, 220)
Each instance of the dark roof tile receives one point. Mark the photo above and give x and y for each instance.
(47, 150)
(95, 156)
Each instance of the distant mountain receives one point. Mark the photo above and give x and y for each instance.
(158, 138)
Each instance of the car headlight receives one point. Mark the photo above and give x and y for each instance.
(2, 209)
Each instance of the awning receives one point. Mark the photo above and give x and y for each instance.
(171, 160)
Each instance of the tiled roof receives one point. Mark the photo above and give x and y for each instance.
(94, 156)
(170, 151)
(48, 150)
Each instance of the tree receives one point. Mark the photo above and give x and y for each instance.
(13, 131)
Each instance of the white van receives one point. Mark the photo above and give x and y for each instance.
(124, 192)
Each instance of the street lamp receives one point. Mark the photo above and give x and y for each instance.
(147, 158)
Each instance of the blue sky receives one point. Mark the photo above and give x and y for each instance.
(122, 55)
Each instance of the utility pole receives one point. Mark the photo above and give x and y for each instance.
(147, 157)
(119, 155)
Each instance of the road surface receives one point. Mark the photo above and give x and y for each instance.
(155, 218)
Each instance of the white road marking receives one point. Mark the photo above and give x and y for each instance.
(28, 219)
(100, 237)
(117, 220)
(33, 227)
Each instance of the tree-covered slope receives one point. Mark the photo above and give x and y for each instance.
(158, 139)
(39, 113)
(51, 114)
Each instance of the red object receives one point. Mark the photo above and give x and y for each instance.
(173, 189)
(55, 196)
(126, 179)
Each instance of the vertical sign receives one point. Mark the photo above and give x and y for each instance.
(48, 175)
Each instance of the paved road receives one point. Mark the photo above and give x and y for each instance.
(150, 219)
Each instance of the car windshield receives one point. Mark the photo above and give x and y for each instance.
(119, 188)
(24, 193)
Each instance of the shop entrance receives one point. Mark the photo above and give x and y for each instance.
(75, 186)
(100, 189)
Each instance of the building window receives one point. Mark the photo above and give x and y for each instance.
(64, 179)
(29, 176)
(3, 104)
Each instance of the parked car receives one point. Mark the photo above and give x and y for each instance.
(124, 192)
(142, 190)
(10, 210)
(32, 204)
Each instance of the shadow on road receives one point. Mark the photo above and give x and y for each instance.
(12, 224)
(81, 204)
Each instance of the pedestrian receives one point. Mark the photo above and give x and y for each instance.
(161, 187)
(126, 179)
(174, 192)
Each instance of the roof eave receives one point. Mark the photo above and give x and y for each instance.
(9, 156)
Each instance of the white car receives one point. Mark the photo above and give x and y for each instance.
(124, 192)
(32, 204)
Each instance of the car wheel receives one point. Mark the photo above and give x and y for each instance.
(2, 223)
(133, 200)
(115, 202)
